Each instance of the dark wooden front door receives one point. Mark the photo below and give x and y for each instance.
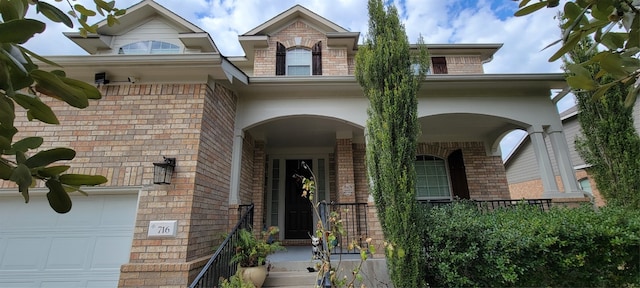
(458, 175)
(298, 219)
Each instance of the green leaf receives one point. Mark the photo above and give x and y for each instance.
(84, 11)
(531, 8)
(46, 157)
(19, 31)
(5, 169)
(581, 83)
(52, 85)
(13, 9)
(613, 40)
(574, 38)
(21, 175)
(40, 58)
(54, 14)
(82, 179)
(579, 70)
(90, 91)
(36, 109)
(612, 63)
(7, 112)
(52, 171)
(23, 145)
(58, 198)
(632, 96)
(602, 90)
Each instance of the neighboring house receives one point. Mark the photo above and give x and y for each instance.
(239, 127)
(522, 168)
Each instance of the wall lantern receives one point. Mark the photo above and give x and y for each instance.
(162, 171)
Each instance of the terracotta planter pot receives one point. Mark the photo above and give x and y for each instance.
(256, 275)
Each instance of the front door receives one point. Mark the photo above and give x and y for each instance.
(298, 220)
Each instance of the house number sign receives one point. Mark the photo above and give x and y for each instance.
(167, 228)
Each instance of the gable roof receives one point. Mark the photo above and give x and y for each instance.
(298, 11)
(258, 37)
(190, 34)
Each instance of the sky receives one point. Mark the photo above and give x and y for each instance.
(438, 21)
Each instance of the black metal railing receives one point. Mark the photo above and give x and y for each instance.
(490, 205)
(354, 223)
(219, 265)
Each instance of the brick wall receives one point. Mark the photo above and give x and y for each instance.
(258, 184)
(486, 176)
(334, 59)
(120, 137)
(533, 189)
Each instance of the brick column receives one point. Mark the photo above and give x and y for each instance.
(259, 158)
(197, 198)
(344, 171)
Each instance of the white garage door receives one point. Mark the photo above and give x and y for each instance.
(83, 248)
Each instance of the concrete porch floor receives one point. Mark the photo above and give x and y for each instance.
(303, 253)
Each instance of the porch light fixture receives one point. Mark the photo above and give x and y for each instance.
(162, 171)
(101, 78)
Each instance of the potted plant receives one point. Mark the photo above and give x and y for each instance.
(251, 253)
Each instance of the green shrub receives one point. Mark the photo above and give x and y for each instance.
(524, 246)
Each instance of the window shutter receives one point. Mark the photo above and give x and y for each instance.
(316, 59)
(439, 65)
(281, 56)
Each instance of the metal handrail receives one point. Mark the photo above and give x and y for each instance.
(219, 264)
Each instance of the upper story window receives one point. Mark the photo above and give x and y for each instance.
(432, 180)
(299, 61)
(415, 67)
(439, 65)
(149, 47)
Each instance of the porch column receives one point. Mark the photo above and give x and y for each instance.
(236, 169)
(257, 189)
(344, 168)
(561, 151)
(536, 134)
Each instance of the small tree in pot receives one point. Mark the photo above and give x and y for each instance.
(251, 253)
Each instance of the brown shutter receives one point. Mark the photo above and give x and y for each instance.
(316, 59)
(281, 56)
(439, 65)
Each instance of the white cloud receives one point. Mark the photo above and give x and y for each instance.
(453, 21)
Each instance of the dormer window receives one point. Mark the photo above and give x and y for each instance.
(299, 61)
(149, 47)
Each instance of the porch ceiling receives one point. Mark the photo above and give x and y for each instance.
(463, 127)
(303, 131)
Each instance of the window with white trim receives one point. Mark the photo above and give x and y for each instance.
(585, 185)
(432, 179)
(149, 47)
(298, 62)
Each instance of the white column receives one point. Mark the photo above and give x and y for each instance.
(236, 167)
(561, 151)
(536, 134)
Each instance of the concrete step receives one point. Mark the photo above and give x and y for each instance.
(290, 279)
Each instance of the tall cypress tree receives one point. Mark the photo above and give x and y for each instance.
(609, 141)
(385, 70)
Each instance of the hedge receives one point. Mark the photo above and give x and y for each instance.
(524, 246)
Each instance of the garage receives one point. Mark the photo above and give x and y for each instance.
(83, 248)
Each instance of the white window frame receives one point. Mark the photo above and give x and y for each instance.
(446, 175)
(298, 57)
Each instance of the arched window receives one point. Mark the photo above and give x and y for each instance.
(432, 180)
(149, 47)
(299, 61)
